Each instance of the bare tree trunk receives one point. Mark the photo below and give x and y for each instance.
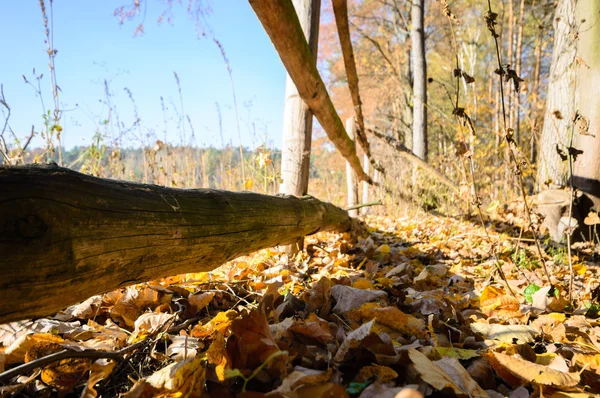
(519, 49)
(340, 9)
(559, 100)
(535, 136)
(297, 119)
(420, 80)
(510, 56)
(350, 176)
(587, 166)
(408, 110)
(66, 236)
(365, 186)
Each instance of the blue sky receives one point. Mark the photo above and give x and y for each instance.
(92, 46)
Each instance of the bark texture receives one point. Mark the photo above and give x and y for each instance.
(419, 63)
(281, 23)
(586, 173)
(558, 116)
(365, 186)
(297, 118)
(65, 236)
(352, 185)
(340, 10)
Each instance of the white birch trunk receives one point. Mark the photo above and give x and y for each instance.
(420, 80)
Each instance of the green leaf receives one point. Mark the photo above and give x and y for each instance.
(355, 388)
(529, 291)
(229, 373)
(460, 353)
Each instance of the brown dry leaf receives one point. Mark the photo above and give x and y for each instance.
(18, 349)
(490, 292)
(506, 306)
(531, 372)
(319, 298)
(382, 373)
(327, 390)
(515, 334)
(84, 310)
(64, 374)
(482, 372)
(303, 377)
(378, 390)
(219, 324)
(551, 325)
(461, 376)
(251, 343)
(106, 337)
(459, 382)
(393, 318)
(179, 379)
(217, 356)
(353, 340)
(349, 298)
(314, 328)
(135, 301)
(98, 372)
(199, 301)
(10, 332)
(150, 322)
(183, 347)
(590, 361)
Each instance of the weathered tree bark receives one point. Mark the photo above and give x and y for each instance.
(340, 10)
(65, 236)
(559, 101)
(297, 119)
(419, 70)
(351, 183)
(281, 24)
(586, 173)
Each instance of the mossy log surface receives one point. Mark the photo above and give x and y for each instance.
(65, 236)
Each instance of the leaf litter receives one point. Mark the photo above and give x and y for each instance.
(399, 309)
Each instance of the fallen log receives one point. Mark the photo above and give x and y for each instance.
(65, 236)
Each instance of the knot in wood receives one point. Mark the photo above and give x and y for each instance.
(30, 227)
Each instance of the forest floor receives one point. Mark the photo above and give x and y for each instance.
(405, 308)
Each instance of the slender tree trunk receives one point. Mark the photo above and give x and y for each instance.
(66, 236)
(535, 133)
(420, 79)
(519, 49)
(350, 176)
(559, 100)
(298, 118)
(587, 166)
(408, 109)
(510, 59)
(365, 186)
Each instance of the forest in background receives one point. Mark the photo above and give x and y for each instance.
(382, 44)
